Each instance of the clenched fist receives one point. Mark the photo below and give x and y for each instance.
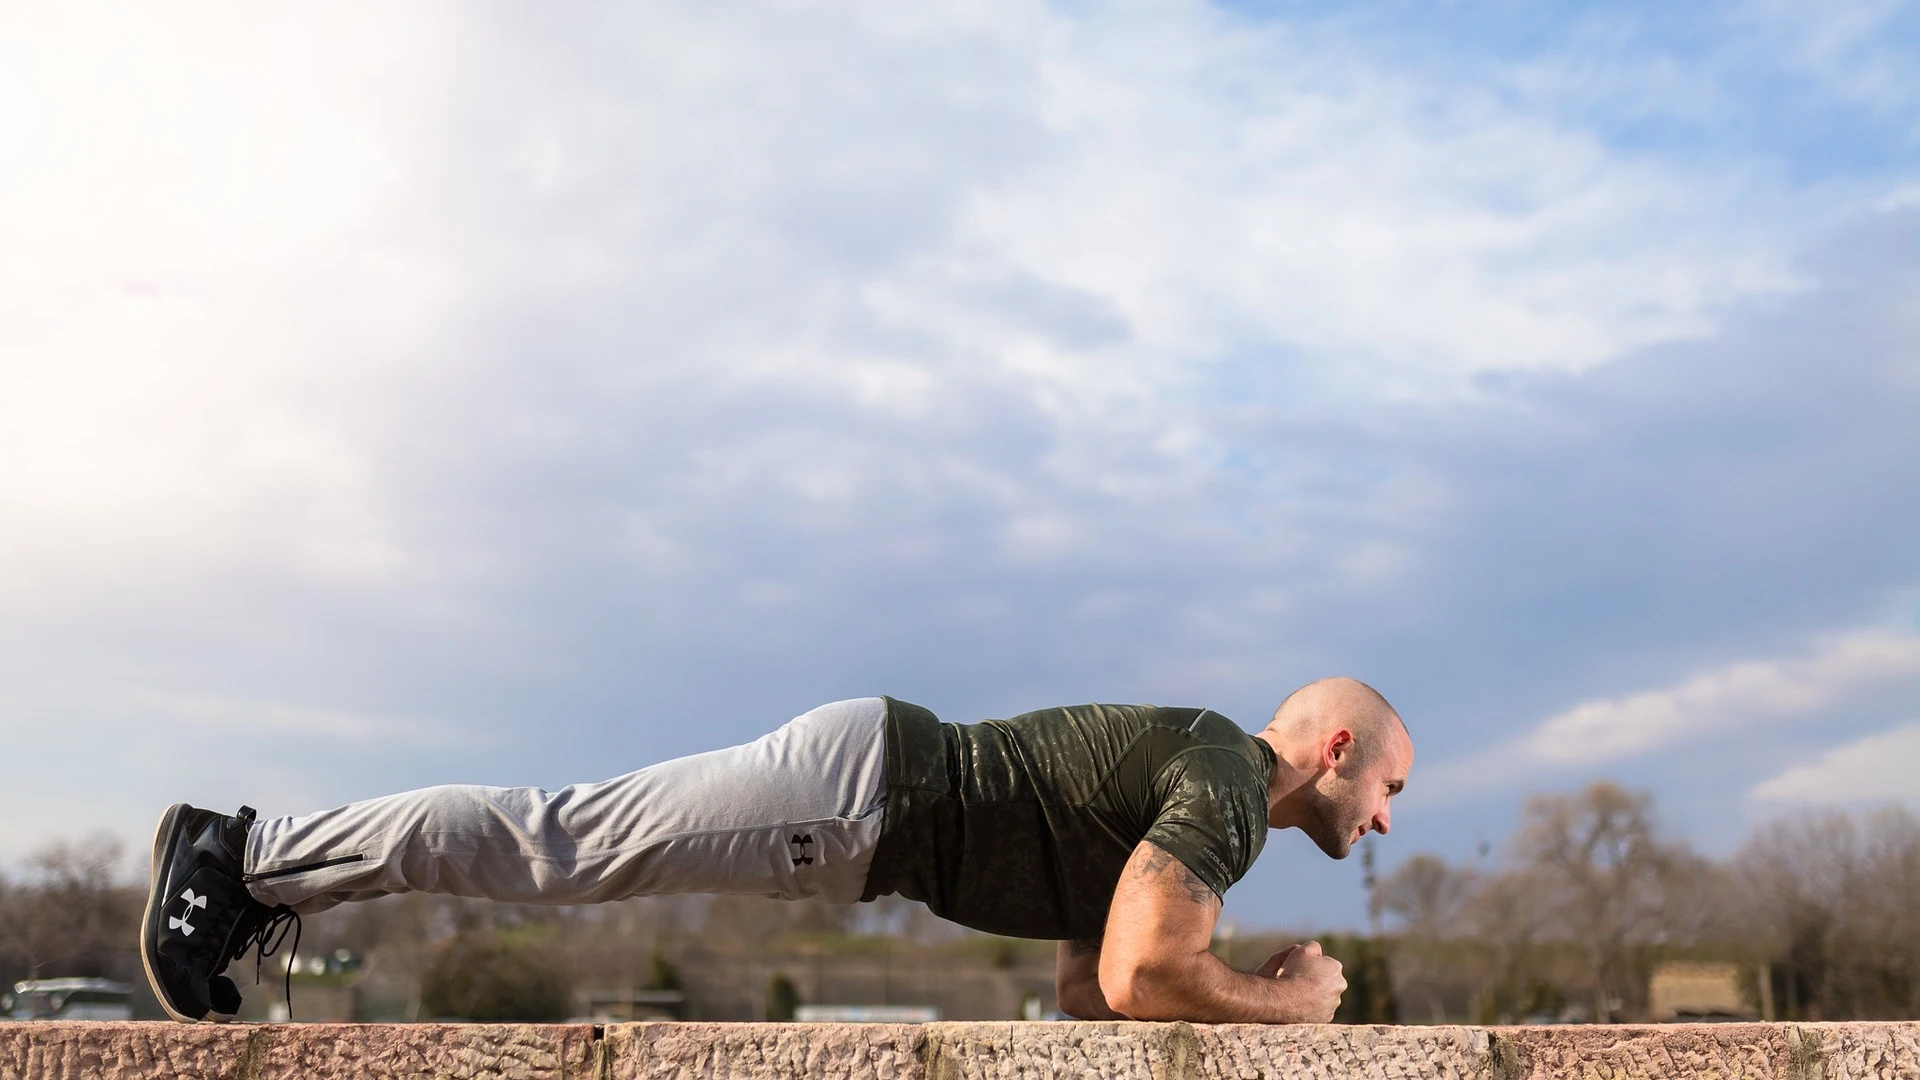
(1313, 979)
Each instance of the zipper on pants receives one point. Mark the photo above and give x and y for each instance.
(338, 860)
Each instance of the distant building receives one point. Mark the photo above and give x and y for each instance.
(1683, 991)
(626, 1006)
(867, 1014)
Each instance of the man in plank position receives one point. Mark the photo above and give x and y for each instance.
(1114, 829)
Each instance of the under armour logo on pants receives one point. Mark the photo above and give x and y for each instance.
(801, 845)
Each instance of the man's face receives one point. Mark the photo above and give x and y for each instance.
(1348, 802)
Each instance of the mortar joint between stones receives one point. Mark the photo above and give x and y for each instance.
(253, 1055)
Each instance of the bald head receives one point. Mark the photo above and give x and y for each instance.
(1319, 709)
(1341, 755)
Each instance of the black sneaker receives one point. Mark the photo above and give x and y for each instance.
(200, 916)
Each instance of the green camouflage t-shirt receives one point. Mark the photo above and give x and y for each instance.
(1021, 827)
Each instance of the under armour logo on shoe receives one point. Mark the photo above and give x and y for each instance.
(180, 923)
(800, 845)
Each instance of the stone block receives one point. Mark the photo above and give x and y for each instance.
(952, 1051)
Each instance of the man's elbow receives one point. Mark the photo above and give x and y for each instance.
(1084, 1002)
(1142, 990)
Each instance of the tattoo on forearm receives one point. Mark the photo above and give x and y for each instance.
(1159, 862)
(1083, 946)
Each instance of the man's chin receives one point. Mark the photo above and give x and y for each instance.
(1338, 847)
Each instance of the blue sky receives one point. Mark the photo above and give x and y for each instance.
(469, 394)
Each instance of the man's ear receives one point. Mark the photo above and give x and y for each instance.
(1339, 745)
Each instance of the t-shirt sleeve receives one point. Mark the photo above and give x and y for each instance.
(1213, 816)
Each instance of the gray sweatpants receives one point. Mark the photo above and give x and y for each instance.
(794, 815)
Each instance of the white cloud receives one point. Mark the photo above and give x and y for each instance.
(564, 376)
(1724, 697)
(1878, 767)
(1903, 197)
(293, 721)
(245, 255)
(1853, 47)
(187, 295)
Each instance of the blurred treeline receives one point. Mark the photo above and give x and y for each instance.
(67, 911)
(1587, 898)
(1567, 921)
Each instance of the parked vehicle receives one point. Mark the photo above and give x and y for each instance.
(68, 999)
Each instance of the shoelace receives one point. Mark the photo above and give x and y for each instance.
(264, 941)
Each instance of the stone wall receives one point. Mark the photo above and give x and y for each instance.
(952, 1051)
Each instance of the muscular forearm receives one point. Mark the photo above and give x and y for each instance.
(1154, 963)
(1200, 988)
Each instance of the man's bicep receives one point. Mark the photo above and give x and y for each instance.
(1209, 820)
(1159, 904)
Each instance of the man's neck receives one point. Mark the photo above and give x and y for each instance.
(1288, 779)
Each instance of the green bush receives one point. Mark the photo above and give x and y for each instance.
(662, 975)
(783, 998)
(1369, 996)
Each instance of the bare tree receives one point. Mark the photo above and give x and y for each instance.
(1695, 895)
(1507, 915)
(1837, 895)
(1597, 855)
(69, 916)
(1795, 875)
(1887, 923)
(1426, 895)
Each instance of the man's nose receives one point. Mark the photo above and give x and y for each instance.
(1383, 821)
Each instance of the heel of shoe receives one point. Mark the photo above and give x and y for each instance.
(225, 1000)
